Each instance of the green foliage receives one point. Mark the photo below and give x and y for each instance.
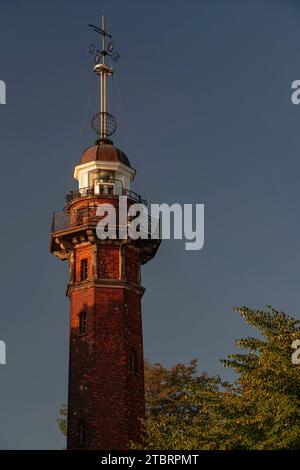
(62, 420)
(176, 405)
(261, 410)
(269, 382)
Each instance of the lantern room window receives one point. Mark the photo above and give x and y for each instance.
(106, 189)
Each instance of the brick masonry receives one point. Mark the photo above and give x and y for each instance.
(106, 392)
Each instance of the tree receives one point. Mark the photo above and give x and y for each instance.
(260, 410)
(62, 420)
(176, 405)
(269, 384)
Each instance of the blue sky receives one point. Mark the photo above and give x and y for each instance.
(206, 90)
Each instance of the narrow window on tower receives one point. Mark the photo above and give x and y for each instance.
(82, 434)
(84, 269)
(82, 323)
(134, 362)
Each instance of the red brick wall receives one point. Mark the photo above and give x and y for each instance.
(103, 392)
(132, 264)
(108, 262)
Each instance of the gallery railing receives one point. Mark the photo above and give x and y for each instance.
(90, 191)
(87, 216)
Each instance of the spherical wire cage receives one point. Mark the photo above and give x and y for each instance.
(108, 127)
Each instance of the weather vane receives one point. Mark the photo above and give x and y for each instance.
(103, 123)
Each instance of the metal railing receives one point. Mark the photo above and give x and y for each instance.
(87, 216)
(60, 221)
(90, 191)
(134, 196)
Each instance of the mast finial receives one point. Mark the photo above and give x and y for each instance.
(103, 123)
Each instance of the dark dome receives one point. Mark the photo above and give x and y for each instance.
(104, 152)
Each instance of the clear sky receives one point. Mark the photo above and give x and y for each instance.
(206, 90)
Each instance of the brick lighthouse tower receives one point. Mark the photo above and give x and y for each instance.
(106, 376)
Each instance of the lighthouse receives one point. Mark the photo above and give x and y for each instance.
(106, 366)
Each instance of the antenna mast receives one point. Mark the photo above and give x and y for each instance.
(103, 123)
